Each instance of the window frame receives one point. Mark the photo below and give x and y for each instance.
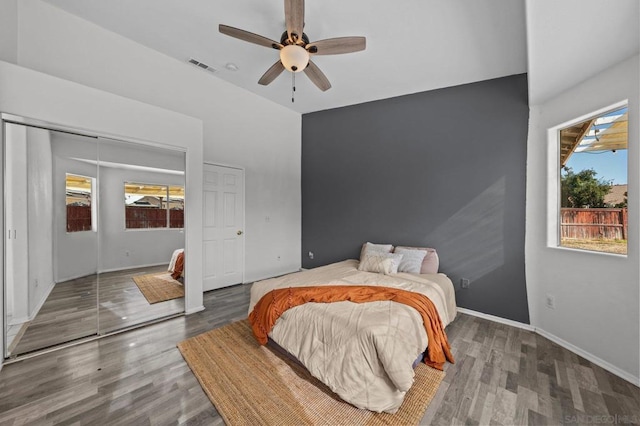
(168, 187)
(92, 200)
(554, 185)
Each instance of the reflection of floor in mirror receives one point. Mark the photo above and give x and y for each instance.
(123, 305)
(14, 334)
(69, 312)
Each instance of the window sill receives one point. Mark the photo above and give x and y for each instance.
(591, 252)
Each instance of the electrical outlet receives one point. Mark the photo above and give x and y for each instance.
(36, 282)
(550, 301)
(126, 253)
(278, 257)
(465, 282)
(310, 255)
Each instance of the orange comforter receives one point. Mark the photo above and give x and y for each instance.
(276, 302)
(179, 267)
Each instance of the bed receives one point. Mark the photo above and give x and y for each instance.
(364, 352)
(176, 265)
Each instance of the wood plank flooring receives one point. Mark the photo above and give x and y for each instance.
(508, 376)
(502, 376)
(122, 304)
(70, 311)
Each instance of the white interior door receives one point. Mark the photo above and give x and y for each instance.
(223, 226)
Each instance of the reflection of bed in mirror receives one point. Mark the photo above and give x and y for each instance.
(72, 275)
(176, 265)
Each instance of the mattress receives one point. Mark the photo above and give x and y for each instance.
(363, 352)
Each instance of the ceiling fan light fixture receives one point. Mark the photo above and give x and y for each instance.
(295, 48)
(294, 58)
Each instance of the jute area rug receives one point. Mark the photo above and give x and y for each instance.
(159, 287)
(249, 384)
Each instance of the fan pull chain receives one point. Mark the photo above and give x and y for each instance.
(293, 87)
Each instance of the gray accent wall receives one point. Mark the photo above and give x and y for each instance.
(442, 169)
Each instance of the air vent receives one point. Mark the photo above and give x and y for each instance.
(202, 65)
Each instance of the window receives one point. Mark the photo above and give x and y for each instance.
(80, 206)
(593, 183)
(153, 206)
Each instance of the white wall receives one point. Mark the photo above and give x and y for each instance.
(75, 253)
(9, 30)
(121, 248)
(40, 217)
(597, 295)
(29, 274)
(240, 128)
(555, 28)
(15, 219)
(112, 247)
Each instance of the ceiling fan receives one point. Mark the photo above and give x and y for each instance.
(295, 48)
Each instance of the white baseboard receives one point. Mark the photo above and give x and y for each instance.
(494, 318)
(19, 320)
(569, 346)
(42, 300)
(32, 315)
(278, 274)
(103, 271)
(590, 357)
(74, 277)
(194, 310)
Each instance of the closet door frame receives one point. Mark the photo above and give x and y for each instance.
(32, 310)
(17, 119)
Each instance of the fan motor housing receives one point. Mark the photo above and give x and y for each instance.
(284, 39)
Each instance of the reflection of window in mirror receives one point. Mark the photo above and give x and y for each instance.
(153, 206)
(176, 206)
(593, 183)
(81, 212)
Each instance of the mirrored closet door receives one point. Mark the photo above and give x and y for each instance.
(141, 233)
(94, 236)
(51, 245)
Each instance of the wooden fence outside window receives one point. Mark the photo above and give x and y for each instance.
(79, 218)
(149, 217)
(591, 224)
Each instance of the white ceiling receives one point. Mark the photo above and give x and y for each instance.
(412, 45)
(572, 40)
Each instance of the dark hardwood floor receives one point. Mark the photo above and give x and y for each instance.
(70, 311)
(502, 376)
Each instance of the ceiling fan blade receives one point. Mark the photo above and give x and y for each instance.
(294, 17)
(336, 46)
(271, 74)
(317, 77)
(250, 37)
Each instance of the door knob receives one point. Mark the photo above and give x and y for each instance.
(239, 232)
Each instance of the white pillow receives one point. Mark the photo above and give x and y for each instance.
(375, 248)
(411, 260)
(381, 263)
(431, 263)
